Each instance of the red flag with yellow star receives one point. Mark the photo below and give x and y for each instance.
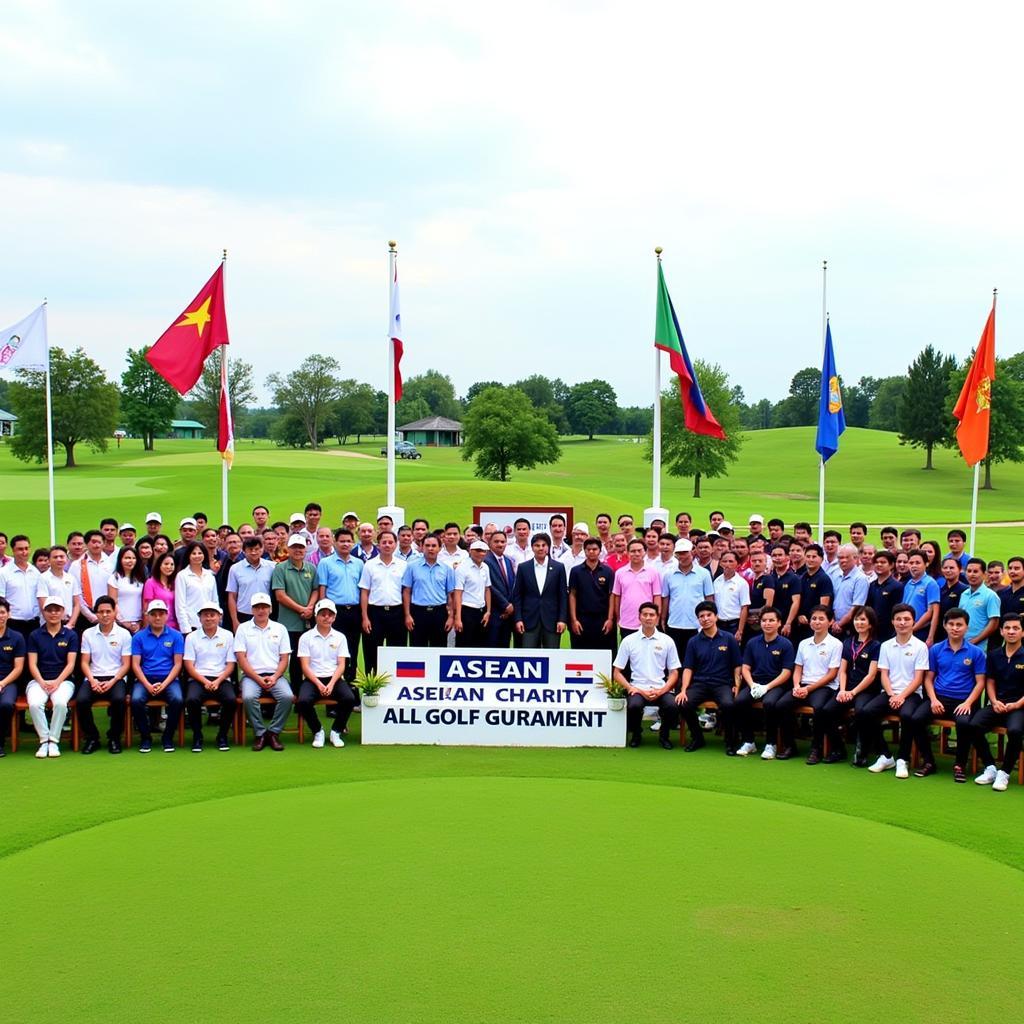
(180, 352)
(973, 407)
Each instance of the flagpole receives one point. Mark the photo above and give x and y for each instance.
(49, 435)
(224, 392)
(977, 471)
(821, 460)
(392, 258)
(656, 452)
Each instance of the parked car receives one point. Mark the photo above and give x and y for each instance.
(404, 450)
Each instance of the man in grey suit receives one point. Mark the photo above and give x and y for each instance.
(541, 597)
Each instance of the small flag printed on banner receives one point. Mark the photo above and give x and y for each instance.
(411, 669)
(579, 672)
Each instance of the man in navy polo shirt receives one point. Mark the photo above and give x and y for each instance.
(157, 653)
(815, 587)
(12, 667)
(782, 591)
(884, 593)
(767, 669)
(591, 625)
(711, 671)
(52, 654)
(1005, 681)
(1011, 598)
(953, 683)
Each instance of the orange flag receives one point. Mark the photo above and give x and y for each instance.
(973, 407)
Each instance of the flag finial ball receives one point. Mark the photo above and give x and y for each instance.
(657, 250)
(392, 244)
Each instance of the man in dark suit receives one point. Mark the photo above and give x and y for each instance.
(540, 596)
(503, 576)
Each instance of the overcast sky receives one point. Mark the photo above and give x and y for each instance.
(528, 158)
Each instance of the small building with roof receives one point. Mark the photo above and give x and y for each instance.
(433, 432)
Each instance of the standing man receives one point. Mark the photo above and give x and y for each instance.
(732, 598)
(557, 526)
(452, 553)
(851, 589)
(541, 599)
(634, 585)
(157, 652)
(1011, 598)
(519, 550)
(154, 524)
(980, 603)
(210, 671)
(252, 575)
(921, 592)
(711, 671)
(52, 653)
(617, 558)
(427, 597)
(338, 579)
(380, 601)
(19, 583)
(106, 661)
(603, 525)
(263, 651)
(591, 622)
(654, 670)
(782, 590)
(502, 574)
(472, 598)
(815, 587)
(687, 587)
(575, 555)
(366, 549)
(884, 593)
(324, 544)
(322, 653)
(293, 584)
(232, 554)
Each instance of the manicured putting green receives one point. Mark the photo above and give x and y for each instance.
(517, 899)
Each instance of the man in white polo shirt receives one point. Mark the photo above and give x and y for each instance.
(106, 661)
(732, 597)
(472, 596)
(654, 671)
(323, 652)
(210, 670)
(380, 601)
(903, 662)
(262, 649)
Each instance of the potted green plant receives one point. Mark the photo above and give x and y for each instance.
(614, 689)
(370, 684)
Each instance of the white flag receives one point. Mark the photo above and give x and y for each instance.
(23, 346)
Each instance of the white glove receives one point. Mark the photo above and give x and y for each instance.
(758, 690)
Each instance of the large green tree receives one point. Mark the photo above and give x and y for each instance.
(592, 407)
(354, 412)
(437, 390)
(204, 398)
(86, 407)
(800, 408)
(148, 402)
(548, 396)
(924, 421)
(1006, 423)
(308, 393)
(887, 403)
(501, 429)
(684, 453)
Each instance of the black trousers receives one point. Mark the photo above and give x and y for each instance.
(743, 715)
(721, 693)
(592, 638)
(387, 626)
(309, 695)
(920, 720)
(474, 633)
(196, 693)
(911, 706)
(983, 721)
(499, 630)
(869, 708)
(24, 627)
(681, 637)
(349, 622)
(8, 695)
(827, 712)
(668, 712)
(86, 696)
(428, 625)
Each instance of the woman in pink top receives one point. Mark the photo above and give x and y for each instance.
(160, 585)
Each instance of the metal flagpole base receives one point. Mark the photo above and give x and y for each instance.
(396, 512)
(650, 514)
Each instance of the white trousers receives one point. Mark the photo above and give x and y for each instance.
(37, 698)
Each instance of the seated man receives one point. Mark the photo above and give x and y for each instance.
(711, 671)
(12, 666)
(323, 653)
(815, 683)
(767, 668)
(1005, 681)
(52, 653)
(953, 683)
(106, 662)
(654, 671)
(262, 649)
(210, 674)
(157, 651)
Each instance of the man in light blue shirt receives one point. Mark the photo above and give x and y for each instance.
(682, 591)
(427, 588)
(250, 576)
(981, 604)
(338, 579)
(851, 589)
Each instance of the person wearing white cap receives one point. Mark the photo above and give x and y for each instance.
(756, 524)
(127, 533)
(154, 524)
(188, 531)
(472, 597)
(210, 670)
(684, 589)
(52, 655)
(262, 649)
(106, 662)
(574, 555)
(157, 652)
(323, 652)
(380, 600)
(293, 583)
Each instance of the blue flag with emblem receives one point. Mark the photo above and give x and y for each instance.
(831, 421)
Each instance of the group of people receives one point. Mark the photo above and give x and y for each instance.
(756, 620)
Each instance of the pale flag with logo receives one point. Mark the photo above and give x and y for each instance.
(23, 345)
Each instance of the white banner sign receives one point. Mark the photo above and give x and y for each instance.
(493, 698)
(505, 516)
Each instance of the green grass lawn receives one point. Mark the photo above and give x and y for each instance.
(872, 478)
